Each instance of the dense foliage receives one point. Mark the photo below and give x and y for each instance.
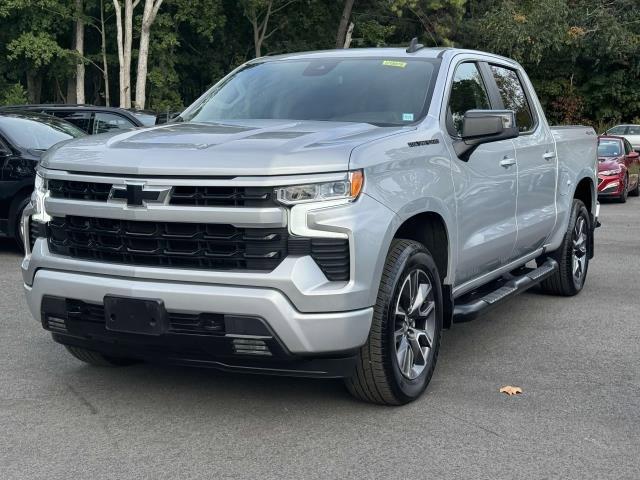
(582, 55)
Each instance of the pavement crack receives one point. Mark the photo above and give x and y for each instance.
(473, 424)
(82, 399)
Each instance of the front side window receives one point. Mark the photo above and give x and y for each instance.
(106, 122)
(467, 93)
(513, 96)
(379, 91)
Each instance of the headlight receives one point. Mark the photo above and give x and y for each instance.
(40, 193)
(349, 189)
(606, 173)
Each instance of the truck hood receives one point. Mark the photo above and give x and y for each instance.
(255, 147)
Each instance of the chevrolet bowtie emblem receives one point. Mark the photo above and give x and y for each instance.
(138, 194)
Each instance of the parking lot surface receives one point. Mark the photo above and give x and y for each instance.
(577, 360)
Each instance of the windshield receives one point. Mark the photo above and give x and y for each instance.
(609, 148)
(38, 132)
(378, 91)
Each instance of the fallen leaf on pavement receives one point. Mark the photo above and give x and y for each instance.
(509, 390)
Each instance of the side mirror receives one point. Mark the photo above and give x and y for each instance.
(484, 126)
(633, 155)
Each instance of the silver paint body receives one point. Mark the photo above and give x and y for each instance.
(496, 217)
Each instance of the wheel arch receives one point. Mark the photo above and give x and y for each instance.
(430, 229)
(20, 195)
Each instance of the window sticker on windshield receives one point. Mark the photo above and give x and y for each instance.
(407, 117)
(394, 63)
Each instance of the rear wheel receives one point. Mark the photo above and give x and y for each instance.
(98, 359)
(572, 256)
(398, 360)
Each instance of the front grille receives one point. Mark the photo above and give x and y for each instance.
(79, 190)
(195, 196)
(222, 196)
(183, 245)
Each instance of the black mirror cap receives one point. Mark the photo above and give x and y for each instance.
(485, 126)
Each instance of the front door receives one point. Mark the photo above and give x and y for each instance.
(485, 185)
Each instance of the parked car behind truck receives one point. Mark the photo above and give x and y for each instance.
(23, 138)
(321, 214)
(618, 168)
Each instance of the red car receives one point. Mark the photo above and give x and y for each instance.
(618, 168)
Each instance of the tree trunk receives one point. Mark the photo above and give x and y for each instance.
(121, 80)
(347, 40)
(105, 65)
(34, 86)
(151, 8)
(71, 90)
(80, 50)
(128, 43)
(344, 23)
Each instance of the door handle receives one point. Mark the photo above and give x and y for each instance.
(549, 155)
(506, 162)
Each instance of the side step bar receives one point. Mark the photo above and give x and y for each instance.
(471, 305)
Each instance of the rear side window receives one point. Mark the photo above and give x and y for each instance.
(467, 93)
(79, 119)
(107, 122)
(633, 130)
(513, 96)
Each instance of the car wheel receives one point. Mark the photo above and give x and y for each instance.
(98, 359)
(636, 191)
(396, 363)
(625, 190)
(572, 256)
(18, 233)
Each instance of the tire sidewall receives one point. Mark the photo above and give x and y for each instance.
(413, 258)
(18, 221)
(579, 210)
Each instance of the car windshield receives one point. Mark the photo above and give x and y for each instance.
(37, 132)
(377, 91)
(609, 148)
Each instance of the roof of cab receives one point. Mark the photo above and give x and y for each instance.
(396, 52)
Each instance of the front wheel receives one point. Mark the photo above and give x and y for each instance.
(572, 256)
(636, 191)
(396, 364)
(625, 190)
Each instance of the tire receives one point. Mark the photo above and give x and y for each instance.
(97, 359)
(625, 191)
(563, 281)
(636, 191)
(393, 338)
(18, 222)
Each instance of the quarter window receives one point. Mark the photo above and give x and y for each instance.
(467, 93)
(513, 96)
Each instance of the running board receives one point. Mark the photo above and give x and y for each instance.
(471, 305)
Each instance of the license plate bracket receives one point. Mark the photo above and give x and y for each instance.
(134, 315)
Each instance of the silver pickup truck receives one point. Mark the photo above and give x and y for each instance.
(320, 214)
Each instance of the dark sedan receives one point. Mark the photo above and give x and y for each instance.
(618, 168)
(23, 138)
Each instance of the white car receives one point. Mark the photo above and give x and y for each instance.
(630, 132)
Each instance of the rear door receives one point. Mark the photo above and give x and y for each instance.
(536, 157)
(485, 185)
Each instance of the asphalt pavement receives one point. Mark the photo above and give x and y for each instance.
(577, 360)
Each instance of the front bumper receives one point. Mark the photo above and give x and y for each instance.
(298, 333)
